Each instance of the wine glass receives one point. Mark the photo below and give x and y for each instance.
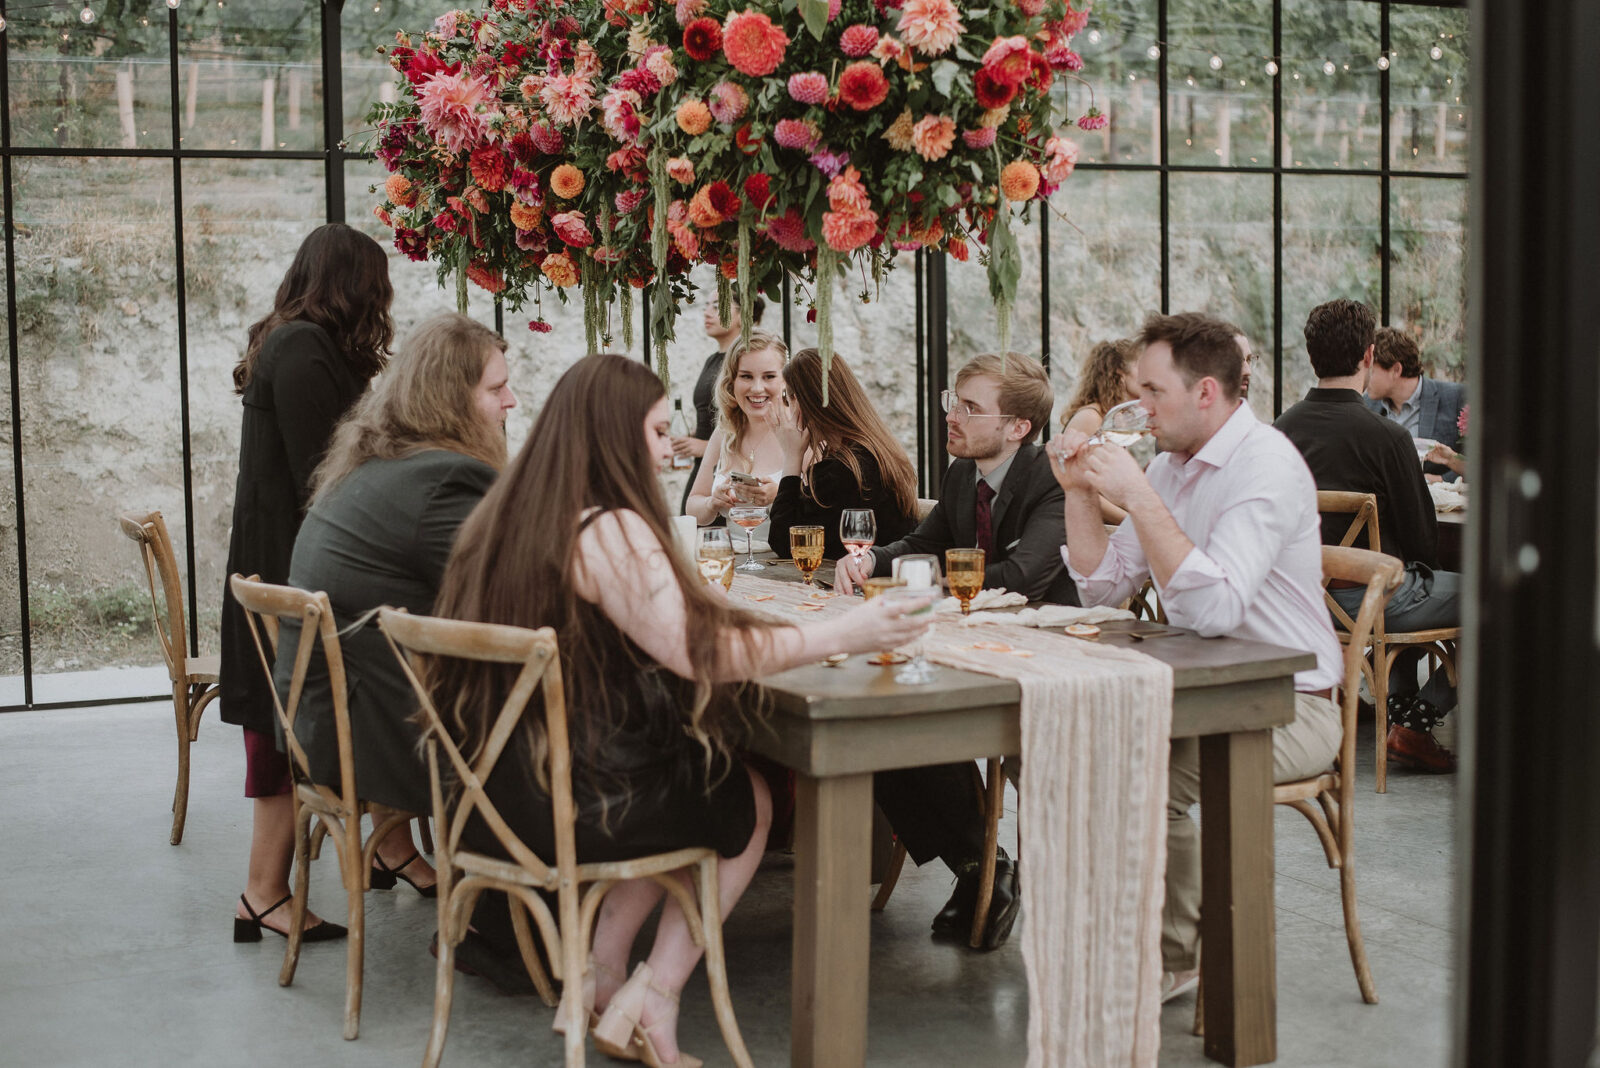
(749, 516)
(805, 544)
(858, 529)
(964, 568)
(1123, 425)
(920, 574)
(714, 553)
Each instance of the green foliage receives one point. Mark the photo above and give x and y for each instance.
(57, 612)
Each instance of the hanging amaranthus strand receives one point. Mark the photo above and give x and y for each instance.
(591, 307)
(625, 309)
(461, 282)
(747, 298)
(661, 286)
(724, 299)
(827, 268)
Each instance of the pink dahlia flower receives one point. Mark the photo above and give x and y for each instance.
(566, 98)
(808, 87)
(982, 137)
(795, 133)
(571, 228)
(753, 44)
(1060, 157)
(933, 137)
(453, 109)
(930, 26)
(858, 40)
(729, 102)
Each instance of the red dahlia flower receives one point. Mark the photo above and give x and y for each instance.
(752, 43)
(702, 38)
(990, 91)
(758, 190)
(863, 85)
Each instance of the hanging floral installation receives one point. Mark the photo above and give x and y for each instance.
(605, 147)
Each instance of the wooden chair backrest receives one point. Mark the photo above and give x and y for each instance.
(155, 547)
(492, 643)
(925, 505)
(265, 605)
(1363, 506)
(1380, 575)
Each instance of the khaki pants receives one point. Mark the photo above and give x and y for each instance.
(1300, 750)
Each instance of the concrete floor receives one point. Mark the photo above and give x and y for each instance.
(117, 946)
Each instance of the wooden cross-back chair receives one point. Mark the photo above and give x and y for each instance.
(194, 678)
(1334, 790)
(579, 887)
(336, 808)
(1440, 643)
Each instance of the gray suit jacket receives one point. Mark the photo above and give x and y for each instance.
(1441, 404)
(1027, 523)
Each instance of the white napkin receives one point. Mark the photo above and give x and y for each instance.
(1050, 615)
(990, 598)
(1448, 496)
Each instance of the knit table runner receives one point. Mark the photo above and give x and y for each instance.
(1096, 720)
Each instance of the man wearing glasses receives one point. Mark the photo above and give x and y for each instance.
(999, 494)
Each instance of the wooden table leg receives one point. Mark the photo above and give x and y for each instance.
(832, 840)
(1238, 950)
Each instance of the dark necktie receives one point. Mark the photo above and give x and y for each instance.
(985, 518)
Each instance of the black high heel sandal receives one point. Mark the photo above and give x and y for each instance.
(249, 930)
(384, 877)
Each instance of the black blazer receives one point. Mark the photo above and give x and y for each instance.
(381, 536)
(833, 489)
(301, 386)
(1028, 528)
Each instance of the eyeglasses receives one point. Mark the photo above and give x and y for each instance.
(962, 410)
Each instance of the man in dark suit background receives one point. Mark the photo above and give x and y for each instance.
(1425, 407)
(999, 496)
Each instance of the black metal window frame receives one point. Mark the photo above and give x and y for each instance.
(931, 308)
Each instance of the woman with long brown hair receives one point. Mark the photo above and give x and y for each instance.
(1107, 380)
(306, 362)
(836, 457)
(405, 469)
(575, 536)
(751, 387)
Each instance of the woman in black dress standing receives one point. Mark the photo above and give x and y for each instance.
(329, 332)
(576, 536)
(854, 461)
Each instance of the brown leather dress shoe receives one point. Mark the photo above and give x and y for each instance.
(1419, 751)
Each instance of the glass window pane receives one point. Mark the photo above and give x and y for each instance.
(879, 338)
(101, 433)
(1430, 107)
(250, 75)
(1121, 77)
(974, 325)
(1221, 261)
(1105, 268)
(242, 222)
(1219, 92)
(1330, 250)
(535, 360)
(11, 689)
(1331, 101)
(368, 78)
(1428, 269)
(106, 84)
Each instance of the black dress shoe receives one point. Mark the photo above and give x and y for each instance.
(249, 930)
(955, 919)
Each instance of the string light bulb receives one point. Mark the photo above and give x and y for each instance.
(1383, 62)
(1272, 68)
(1154, 51)
(1435, 52)
(86, 16)
(1094, 36)
(2, 24)
(1215, 62)
(1328, 68)
(172, 5)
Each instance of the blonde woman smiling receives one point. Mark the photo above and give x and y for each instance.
(750, 388)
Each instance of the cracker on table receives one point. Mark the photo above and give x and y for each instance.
(761, 597)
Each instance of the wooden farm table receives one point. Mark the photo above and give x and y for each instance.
(835, 726)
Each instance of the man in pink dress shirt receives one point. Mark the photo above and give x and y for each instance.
(1225, 521)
